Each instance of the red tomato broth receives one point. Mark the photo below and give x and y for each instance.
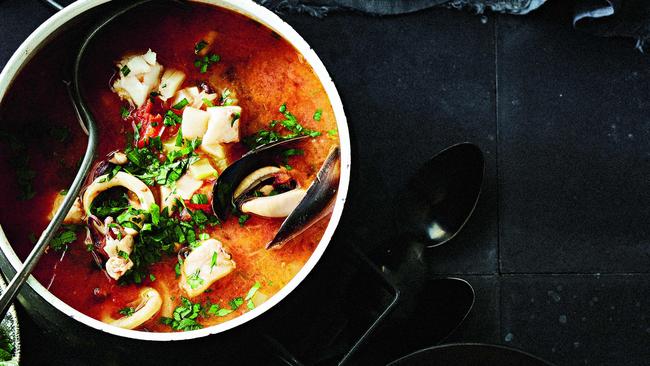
(263, 70)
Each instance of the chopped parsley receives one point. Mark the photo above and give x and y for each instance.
(158, 233)
(123, 254)
(293, 152)
(333, 132)
(270, 135)
(213, 261)
(177, 267)
(180, 105)
(109, 203)
(242, 219)
(207, 102)
(145, 165)
(250, 294)
(20, 162)
(125, 70)
(124, 112)
(184, 316)
(219, 311)
(171, 118)
(204, 62)
(226, 99)
(199, 199)
(199, 46)
(194, 280)
(126, 311)
(67, 234)
(6, 346)
(236, 303)
(318, 114)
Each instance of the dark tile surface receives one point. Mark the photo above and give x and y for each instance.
(573, 151)
(578, 320)
(16, 26)
(566, 193)
(411, 86)
(483, 322)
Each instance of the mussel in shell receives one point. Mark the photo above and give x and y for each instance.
(255, 185)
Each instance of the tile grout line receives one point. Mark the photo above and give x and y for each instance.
(499, 314)
(496, 139)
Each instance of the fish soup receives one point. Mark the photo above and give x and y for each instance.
(178, 97)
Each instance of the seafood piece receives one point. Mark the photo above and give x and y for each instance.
(145, 307)
(244, 186)
(121, 179)
(203, 266)
(138, 76)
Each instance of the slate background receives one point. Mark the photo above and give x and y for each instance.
(558, 249)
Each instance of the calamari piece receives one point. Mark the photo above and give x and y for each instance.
(279, 205)
(121, 179)
(76, 214)
(205, 264)
(139, 75)
(223, 125)
(118, 251)
(149, 303)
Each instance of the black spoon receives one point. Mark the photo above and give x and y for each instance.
(439, 200)
(469, 354)
(424, 317)
(443, 194)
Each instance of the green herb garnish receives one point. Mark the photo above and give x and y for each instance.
(194, 280)
(67, 234)
(127, 311)
(199, 46)
(204, 62)
(171, 118)
(184, 316)
(213, 261)
(226, 99)
(199, 199)
(181, 104)
(242, 219)
(250, 294)
(318, 114)
(207, 102)
(270, 135)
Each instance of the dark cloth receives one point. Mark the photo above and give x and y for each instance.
(320, 8)
(627, 18)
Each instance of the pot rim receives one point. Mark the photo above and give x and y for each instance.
(250, 10)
